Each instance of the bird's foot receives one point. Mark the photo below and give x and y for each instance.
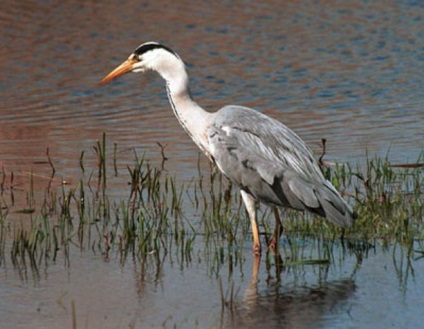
(273, 244)
(257, 249)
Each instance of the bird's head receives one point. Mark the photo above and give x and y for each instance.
(148, 56)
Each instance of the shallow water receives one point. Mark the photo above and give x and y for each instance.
(382, 291)
(350, 72)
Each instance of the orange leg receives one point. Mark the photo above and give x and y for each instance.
(256, 241)
(278, 230)
(250, 204)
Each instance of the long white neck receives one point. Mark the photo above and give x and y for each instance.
(192, 117)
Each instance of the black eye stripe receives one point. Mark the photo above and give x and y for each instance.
(144, 48)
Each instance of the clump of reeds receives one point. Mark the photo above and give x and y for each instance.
(389, 201)
(152, 221)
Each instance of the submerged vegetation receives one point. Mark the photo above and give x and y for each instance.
(158, 214)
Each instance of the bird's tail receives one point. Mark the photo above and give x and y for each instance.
(334, 207)
(320, 198)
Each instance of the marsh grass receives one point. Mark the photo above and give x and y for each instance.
(389, 202)
(160, 216)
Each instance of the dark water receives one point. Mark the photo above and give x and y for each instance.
(347, 71)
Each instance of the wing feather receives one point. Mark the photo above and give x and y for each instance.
(269, 161)
(265, 143)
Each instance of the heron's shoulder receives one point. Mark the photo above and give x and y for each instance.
(249, 120)
(240, 115)
(232, 110)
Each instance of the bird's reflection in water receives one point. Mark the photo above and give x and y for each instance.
(279, 306)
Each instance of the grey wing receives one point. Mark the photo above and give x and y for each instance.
(272, 163)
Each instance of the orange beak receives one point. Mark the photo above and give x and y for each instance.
(125, 67)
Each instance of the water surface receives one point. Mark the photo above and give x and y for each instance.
(350, 72)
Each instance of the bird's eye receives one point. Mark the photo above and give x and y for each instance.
(135, 57)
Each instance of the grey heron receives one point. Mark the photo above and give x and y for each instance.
(264, 158)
